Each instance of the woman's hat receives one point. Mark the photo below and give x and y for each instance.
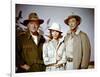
(33, 17)
(55, 26)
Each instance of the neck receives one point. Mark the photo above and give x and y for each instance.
(56, 39)
(35, 33)
(74, 30)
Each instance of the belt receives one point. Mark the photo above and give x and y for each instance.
(60, 65)
(50, 65)
(69, 59)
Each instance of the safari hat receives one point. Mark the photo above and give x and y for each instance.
(33, 17)
(78, 18)
(55, 26)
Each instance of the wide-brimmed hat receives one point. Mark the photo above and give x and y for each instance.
(78, 18)
(33, 17)
(55, 26)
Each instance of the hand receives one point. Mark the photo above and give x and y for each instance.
(25, 66)
(58, 65)
(58, 57)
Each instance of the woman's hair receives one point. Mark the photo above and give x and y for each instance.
(51, 37)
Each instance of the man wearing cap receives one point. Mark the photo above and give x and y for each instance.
(29, 46)
(54, 51)
(77, 45)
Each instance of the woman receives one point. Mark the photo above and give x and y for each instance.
(53, 50)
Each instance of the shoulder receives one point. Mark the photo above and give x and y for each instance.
(23, 37)
(22, 34)
(66, 37)
(42, 39)
(83, 34)
(45, 45)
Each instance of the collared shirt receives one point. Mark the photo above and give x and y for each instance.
(35, 38)
(77, 32)
(70, 48)
(55, 43)
(69, 45)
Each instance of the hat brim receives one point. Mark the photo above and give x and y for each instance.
(25, 22)
(55, 30)
(66, 21)
(50, 36)
(78, 18)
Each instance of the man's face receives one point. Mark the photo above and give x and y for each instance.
(72, 23)
(33, 26)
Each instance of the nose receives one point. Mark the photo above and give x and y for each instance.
(34, 26)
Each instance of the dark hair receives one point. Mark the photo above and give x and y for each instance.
(78, 19)
(51, 37)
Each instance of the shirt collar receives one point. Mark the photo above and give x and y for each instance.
(77, 32)
(30, 35)
(60, 40)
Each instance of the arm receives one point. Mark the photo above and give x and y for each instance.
(48, 58)
(19, 59)
(18, 54)
(63, 55)
(45, 54)
(86, 51)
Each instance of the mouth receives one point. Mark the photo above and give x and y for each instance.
(72, 26)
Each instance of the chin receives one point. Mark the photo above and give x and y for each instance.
(33, 31)
(55, 38)
(72, 28)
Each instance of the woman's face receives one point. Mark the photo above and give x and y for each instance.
(72, 23)
(33, 26)
(55, 34)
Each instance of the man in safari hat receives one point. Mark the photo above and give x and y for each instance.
(77, 43)
(29, 46)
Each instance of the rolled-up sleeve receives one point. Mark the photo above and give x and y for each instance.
(49, 58)
(63, 59)
(45, 54)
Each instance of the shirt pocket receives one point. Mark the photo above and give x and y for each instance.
(27, 48)
(51, 53)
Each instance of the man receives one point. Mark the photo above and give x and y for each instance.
(77, 45)
(29, 46)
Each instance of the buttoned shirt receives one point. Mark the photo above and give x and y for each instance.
(70, 48)
(35, 38)
(69, 45)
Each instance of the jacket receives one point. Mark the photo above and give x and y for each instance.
(81, 50)
(51, 53)
(27, 52)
